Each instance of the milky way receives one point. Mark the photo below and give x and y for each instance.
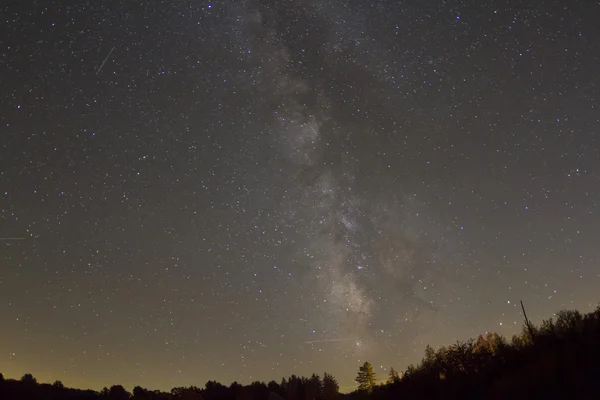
(246, 190)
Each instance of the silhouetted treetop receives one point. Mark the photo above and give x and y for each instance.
(366, 377)
(28, 379)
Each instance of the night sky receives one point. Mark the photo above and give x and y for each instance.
(244, 190)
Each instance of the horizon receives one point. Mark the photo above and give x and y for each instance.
(344, 388)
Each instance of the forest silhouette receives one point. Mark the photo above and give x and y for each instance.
(560, 358)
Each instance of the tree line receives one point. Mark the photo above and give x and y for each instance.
(292, 388)
(558, 359)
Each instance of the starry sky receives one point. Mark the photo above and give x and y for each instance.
(244, 190)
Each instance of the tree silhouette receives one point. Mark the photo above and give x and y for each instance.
(139, 392)
(118, 392)
(273, 386)
(258, 390)
(189, 393)
(292, 388)
(28, 379)
(409, 372)
(58, 385)
(393, 376)
(330, 387)
(366, 377)
(314, 387)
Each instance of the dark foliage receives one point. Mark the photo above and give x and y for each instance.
(558, 359)
(298, 388)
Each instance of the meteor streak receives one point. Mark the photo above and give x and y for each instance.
(104, 62)
(331, 340)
